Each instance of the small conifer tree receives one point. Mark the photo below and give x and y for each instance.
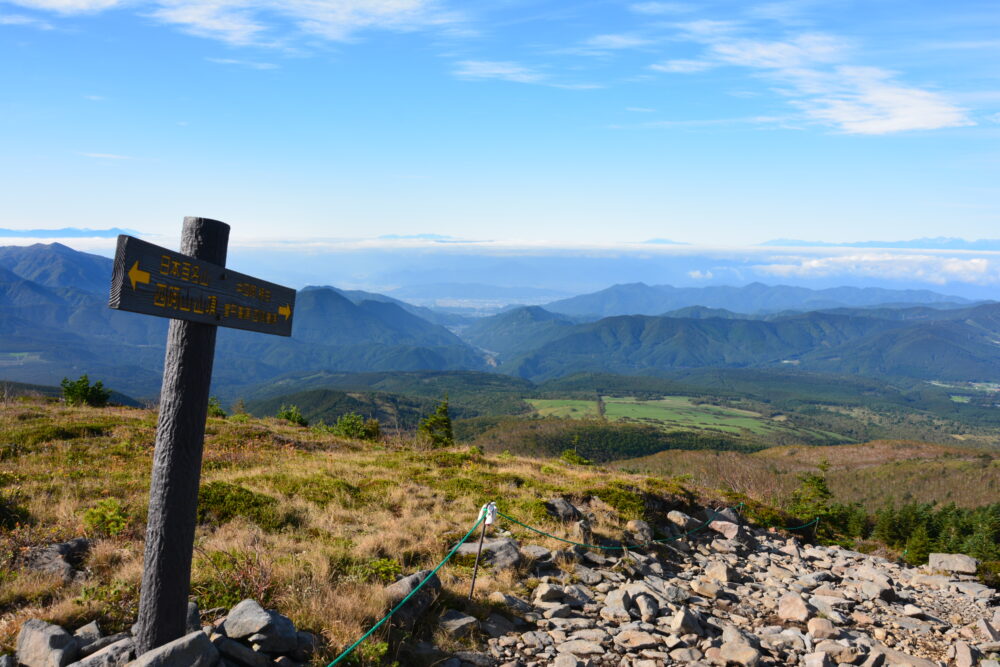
(436, 428)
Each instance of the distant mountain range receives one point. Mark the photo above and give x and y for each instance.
(938, 243)
(755, 298)
(54, 323)
(64, 233)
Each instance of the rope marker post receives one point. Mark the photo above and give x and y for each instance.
(489, 514)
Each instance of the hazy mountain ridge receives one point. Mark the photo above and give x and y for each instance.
(755, 298)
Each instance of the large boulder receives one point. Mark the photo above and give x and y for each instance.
(958, 563)
(561, 509)
(407, 616)
(63, 558)
(501, 553)
(191, 650)
(41, 644)
(269, 630)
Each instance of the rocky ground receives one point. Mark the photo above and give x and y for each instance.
(728, 595)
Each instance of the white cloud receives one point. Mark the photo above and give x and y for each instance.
(936, 269)
(700, 275)
(616, 42)
(503, 70)
(815, 72)
(26, 21)
(69, 6)
(249, 21)
(662, 7)
(242, 63)
(866, 100)
(682, 66)
(801, 51)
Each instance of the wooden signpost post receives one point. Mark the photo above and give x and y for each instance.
(199, 294)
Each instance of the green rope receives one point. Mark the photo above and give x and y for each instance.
(805, 525)
(623, 547)
(349, 649)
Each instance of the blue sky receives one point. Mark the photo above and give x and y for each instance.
(523, 123)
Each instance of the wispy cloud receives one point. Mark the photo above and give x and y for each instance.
(106, 156)
(682, 66)
(503, 70)
(242, 63)
(272, 22)
(26, 21)
(662, 7)
(616, 42)
(69, 6)
(934, 269)
(816, 72)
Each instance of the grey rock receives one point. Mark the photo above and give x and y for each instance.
(791, 607)
(587, 575)
(245, 619)
(191, 650)
(456, 624)
(234, 651)
(727, 529)
(407, 616)
(63, 558)
(496, 625)
(740, 653)
(640, 530)
(500, 553)
(822, 628)
(103, 642)
(7, 661)
(566, 660)
(959, 563)
(719, 572)
(681, 520)
(113, 655)
(561, 509)
(88, 633)
(965, 655)
(548, 593)
(581, 647)
(817, 659)
(686, 655)
(634, 640)
(536, 553)
(512, 602)
(40, 644)
(685, 622)
(193, 617)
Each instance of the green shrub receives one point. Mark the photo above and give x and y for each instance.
(630, 505)
(570, 456)
(224, 578)
(320, 489)
(353, 425)
(107, 517)
(81, 392)
(436, 428)
(215, 408)
(219, 502)
(11, 512)
(383, 570)
(117, 601)
(292, 414)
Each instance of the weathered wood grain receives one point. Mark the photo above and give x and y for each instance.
(180, 434)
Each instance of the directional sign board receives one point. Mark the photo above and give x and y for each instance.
(155, 281)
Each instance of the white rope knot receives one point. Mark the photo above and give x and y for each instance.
(490, 510)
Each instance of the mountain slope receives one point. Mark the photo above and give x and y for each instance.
(642, 299)
(517, 330)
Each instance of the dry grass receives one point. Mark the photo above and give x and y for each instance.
(352, 516)
(872, 473)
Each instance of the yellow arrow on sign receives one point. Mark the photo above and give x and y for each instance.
(137, 275)
(285, 310)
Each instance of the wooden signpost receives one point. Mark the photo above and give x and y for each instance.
(199, 294)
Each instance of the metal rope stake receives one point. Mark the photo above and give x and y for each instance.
(490, 511)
